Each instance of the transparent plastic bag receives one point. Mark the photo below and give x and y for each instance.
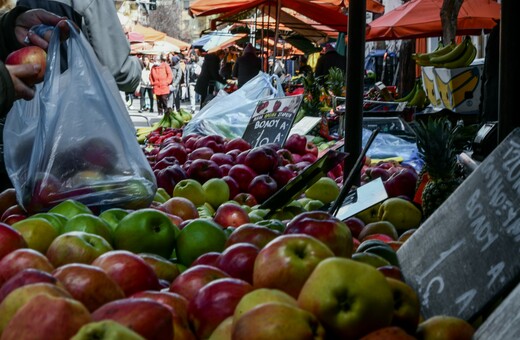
(228, 114)
(75, 139)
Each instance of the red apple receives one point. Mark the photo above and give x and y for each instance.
(355, 224)
(237, 143)
(149, 318)
(308, 157)
(209, 258)
(180, 206)
(286, 262)
(243, 175)
(165, 162)
(234, 188)
(168, 177)
(286, 156)
(21, 259)
(176, 150)
(311, 148)
(252, 233)
(262, 187)
(215, 302)
(10, 239)
(241, 157)
(282, 175)
(230, 214)
(203, 170)
(222, 158)
(214, 142)
(245, 198)
(238, 260)
(46, 316)
(326, 228)
(178, 306)
(88, 284)
(190, 281)
(29, 55)
(128, 270)
(25, 277)
(403, 182)
(203, 152)
(225, 168)
(296, 143)
(262, 159)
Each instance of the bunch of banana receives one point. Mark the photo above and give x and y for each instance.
(143, 132)
(416, 97)
(410, 94)
(449, 56)
(423, 59)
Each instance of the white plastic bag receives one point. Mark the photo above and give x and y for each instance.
(75, 139)
(228, 114)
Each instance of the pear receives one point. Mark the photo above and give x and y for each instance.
(369, 214)
(379, 227)
(325, 189)
(402, 213)
(106, 330)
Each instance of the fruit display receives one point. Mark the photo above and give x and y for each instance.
(202, 261)
(449, 56)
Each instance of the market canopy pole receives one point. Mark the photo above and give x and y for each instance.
(354, 97)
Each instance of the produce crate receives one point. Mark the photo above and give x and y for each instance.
(460, 88)
(430, 86)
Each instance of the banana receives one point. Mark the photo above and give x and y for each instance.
(418, 98)
(424, 59)
(409, 96)
(453, 55)
(465, 59)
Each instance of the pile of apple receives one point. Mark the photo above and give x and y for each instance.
(164, 273)
(253, 174)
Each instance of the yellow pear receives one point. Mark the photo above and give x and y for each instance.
(369, 214)
(402, 213)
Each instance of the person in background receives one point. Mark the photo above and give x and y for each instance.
(175, 98)
(247, 66)
(331, 58)
(100, 24)
(193, 69)
(305, 68)
(15, 81)
(146, 87)
(161, 78)
(209, 75)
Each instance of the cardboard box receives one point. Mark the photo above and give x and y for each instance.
(459, 89)
(429, 85)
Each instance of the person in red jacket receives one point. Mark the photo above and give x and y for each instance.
(160, 78)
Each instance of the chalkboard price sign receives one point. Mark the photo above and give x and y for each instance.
(465, 256)
(272, 120)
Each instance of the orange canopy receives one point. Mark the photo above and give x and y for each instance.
(371, 6)
(149, 33)
(324, 14)
(421, 19)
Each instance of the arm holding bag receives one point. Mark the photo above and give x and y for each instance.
(75, 139)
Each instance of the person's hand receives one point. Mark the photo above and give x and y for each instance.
(19, 74)
(25, 21)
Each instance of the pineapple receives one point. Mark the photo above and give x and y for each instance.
(335, 82)
(436, 143)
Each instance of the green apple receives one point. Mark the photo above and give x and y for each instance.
(260, 296)
(349, 298)
(113, 215)
(407, 306)
(37, 232)
(164, 268)
(76, 247)
(146, 231)
(57, 220)
(90, 224)
(106, 330)
(402, 213)
(199, 236)
(69, 208)
(140, 192)
(161, 195)
(191, 189)
(325, 189)
(370, 214)
(313, 205)
(216, 191)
